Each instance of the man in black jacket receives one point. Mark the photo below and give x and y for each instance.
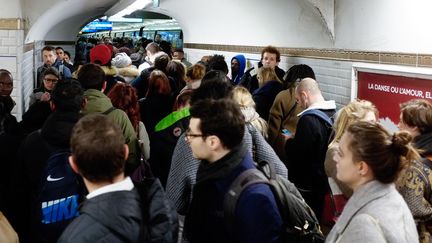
(66, 101)
(307, 149)
(115, 210)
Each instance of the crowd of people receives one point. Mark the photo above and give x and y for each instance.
(150, 145)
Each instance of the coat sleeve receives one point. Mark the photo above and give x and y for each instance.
(163, 222)
(363, 228)
(266, 153)
(181, 176)
(276, 115)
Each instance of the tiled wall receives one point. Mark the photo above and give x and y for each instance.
(334, 76)
(11, 56)
(27, 75)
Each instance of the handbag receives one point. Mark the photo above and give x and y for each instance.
(142, 172)
(334, 203)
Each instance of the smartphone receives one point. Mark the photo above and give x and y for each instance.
(286, 132)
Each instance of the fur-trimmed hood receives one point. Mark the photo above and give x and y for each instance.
(129, 71)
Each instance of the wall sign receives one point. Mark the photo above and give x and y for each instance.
(388, 88)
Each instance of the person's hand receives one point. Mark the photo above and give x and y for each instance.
(45, 96)
(287, 134)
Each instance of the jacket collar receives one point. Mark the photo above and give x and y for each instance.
(363, 196)
(321, 105)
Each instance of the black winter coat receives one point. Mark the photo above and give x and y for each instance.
(119, 217)
(32, 157)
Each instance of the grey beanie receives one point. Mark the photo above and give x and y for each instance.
(121, 60)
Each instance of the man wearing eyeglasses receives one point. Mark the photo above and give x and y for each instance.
(215, 135)
(49, 57)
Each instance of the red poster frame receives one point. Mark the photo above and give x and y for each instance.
(388, 86)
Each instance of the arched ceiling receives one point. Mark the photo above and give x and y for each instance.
(62, 20)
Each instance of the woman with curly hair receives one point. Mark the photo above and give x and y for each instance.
(123, 96)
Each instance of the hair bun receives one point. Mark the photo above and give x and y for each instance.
(400, 140)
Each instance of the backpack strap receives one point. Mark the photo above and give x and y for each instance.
(289, 112)
(319, 114)
(109, 110)
(243, 181)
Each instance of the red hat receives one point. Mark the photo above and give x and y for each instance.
(100, 54)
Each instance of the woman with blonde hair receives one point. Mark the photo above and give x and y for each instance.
(369, 160)
(269, 86)
(247, 106)
(358, 110)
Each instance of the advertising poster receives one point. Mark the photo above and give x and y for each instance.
(387, 92)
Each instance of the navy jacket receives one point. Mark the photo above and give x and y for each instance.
(257, 216)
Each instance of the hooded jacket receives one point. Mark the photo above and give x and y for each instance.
(32, 157)
(242, 62)
(97, 102)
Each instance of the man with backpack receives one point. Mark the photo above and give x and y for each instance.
(116, 209)
(47, 201)
(307, 149)
(215, 135)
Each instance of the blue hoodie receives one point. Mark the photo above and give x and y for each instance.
(242, 61)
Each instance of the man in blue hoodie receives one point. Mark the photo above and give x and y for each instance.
(238, 64)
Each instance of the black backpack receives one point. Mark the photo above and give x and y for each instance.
(299, 221)
(61, 191)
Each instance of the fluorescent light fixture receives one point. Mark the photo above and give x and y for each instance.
(138, 4)
(125, 20)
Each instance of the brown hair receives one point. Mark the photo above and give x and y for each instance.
(196, 71)
(97, 146)
(417, 113)
(384, 153)
(123, 96)
(271, 49)
(158, 84)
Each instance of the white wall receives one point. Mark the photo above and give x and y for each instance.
(10, 9)
(384, 25)
(249, 22)
(368, 25)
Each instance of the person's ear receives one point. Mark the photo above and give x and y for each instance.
(214, 142)
(363, 168)
(126, 151)
(73, 164)
(104, 86)
(84, 103)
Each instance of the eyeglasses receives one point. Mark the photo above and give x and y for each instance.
(189, 135)
(49, 80)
